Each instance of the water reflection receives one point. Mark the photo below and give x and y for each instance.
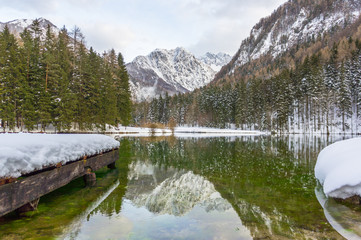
(198, 188)
(166, 203)
(172, 192)
(344, 219)
(74, 228)
(268, 181)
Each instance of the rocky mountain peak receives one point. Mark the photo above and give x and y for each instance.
(172, 71)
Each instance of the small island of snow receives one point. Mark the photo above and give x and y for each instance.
(338, 169)
(24, 153)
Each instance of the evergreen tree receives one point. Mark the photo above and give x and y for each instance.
(10, 78)
(49, 91)
(124, 103)
(241, 105)
(344, 97)
(29, 111)
(65, 108)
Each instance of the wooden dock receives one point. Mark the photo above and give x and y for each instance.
(23, 195)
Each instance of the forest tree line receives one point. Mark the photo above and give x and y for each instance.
(53, 79)
(322, 94)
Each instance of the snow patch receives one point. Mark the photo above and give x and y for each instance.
(338, 169)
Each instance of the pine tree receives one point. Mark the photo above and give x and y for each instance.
(10, 77)
(29, 112)
(343, 97)
(241, 105)
(49, 91)
(124, 103)
(109, 90)
(64, 111)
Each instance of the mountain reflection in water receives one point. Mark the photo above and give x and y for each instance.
(179, 204)
(174, 193)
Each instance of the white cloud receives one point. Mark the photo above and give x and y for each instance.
(139, 26)
(104, 36)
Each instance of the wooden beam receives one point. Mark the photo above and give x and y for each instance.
(21, 192)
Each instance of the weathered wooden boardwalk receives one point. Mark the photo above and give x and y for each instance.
(24, 194)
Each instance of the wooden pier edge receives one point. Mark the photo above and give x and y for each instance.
(21, 192)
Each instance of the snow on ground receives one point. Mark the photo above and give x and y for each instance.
(338, 168)
(23, 153)
(182, 132)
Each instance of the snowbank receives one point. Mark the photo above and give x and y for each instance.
(182, 132)
(23, 153)
(338, 168)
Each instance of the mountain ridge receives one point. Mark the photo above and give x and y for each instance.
(291, 25)
(17, 26)
(171, 71)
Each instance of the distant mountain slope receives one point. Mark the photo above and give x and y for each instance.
(294, 23)
(19, 25)
(171, 71)
(216, 61)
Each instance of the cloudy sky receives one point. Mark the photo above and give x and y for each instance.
(136, 27)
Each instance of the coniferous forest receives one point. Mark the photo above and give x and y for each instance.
(320, 94)
(53, 79)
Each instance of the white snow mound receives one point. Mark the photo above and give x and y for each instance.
(23, 153)
(338, 168)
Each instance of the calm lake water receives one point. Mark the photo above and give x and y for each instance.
(197, 188)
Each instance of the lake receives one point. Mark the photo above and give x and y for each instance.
(249, 187)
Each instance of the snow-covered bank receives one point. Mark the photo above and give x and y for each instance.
(143, 131)
(23, 153)
(183, 131)
(338, 169)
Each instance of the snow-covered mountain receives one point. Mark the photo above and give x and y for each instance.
(171, 71)
(216, 61)
(19, 25)
(292, 24)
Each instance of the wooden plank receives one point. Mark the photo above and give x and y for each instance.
(16, 194)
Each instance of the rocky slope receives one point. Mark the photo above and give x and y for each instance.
(216, 61)
(291, 25)
(172, 71)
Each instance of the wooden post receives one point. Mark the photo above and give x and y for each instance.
(90, 178)
(112, 166)
(30, 206)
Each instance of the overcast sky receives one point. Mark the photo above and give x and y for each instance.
(137, 27)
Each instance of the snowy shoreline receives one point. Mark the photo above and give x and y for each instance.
(143, 131)
(182, 130)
